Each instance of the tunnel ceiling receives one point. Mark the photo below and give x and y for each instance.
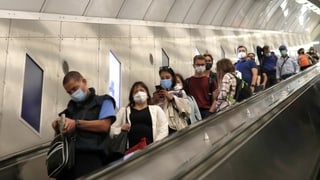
(279, 15)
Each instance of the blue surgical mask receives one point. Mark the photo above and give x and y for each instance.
(166, 83)
(283, 52)
(78, 95)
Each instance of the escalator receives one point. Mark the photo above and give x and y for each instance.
(273, 135)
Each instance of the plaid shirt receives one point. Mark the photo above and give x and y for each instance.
(227, 91)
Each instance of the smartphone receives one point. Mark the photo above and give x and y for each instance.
(158, 87)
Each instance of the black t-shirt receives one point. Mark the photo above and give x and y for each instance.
(141, 126)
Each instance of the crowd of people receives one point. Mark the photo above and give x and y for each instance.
(176, 103)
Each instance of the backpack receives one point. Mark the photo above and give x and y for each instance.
(211, 79)
(243, 90)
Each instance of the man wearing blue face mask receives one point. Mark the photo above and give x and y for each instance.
(201, 88)
(88, 120)
(286, 66)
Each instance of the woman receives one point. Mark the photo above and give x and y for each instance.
(144, 120)
(195, 112)
(175, 106)
(227, 84)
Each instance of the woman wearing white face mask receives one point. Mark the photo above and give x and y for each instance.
(175, 105)
(145, 120)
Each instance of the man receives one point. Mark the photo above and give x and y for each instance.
(200, 88)
(268, 63)
(261, 76)
(209, 62)
(88, 120)
(247, 68)
(286, 66)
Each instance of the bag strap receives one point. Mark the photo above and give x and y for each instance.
(285, 60)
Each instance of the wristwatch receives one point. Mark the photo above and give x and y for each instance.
(77, 124)
(252, 85)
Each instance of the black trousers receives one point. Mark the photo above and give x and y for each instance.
(205, 113)
(85, 162)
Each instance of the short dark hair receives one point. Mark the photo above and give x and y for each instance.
(72, 75)
(241, 46)
(251, 53)
(169, 70)
(196, 57)
(207, 54)
(265, 47)
(299, 50)
(142, 84)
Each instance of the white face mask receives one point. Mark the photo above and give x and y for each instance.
(242, 55)
(200, 69)
(178, 87)
(140, 97)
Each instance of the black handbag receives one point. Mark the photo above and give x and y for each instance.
(117, 145)
(60, 156)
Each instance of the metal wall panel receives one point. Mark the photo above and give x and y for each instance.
(222, 12)
(44, 52)
(70, 7)
(30, 5)
(118, 31)
(179, 10)
(195, 11)
(134, 9)
(31, 28)
(158, 10)
(104, 8)
(75, 30)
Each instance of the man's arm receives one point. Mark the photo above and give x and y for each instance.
(254, 78)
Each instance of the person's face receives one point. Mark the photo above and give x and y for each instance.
(266, 51)
(199, 62)
(178, 81)
(208, 59)
(251, 56)
(242, 49)
(165, 75)
(74, 85)
(137, 89)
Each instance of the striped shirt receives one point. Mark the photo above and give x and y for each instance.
(290, 66)
(227, 92)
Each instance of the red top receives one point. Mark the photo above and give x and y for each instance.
(199, 89)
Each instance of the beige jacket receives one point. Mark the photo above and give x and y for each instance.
(158, 117)
(175, 110)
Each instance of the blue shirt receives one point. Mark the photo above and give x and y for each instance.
(107, 110)
(290, 66)
(269, 63)
(245, 67)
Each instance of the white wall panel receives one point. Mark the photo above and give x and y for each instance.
(121, 49)
(140, 67)
(44, 52)
(114, 31)
(104, 8)
(141, 31)
(179, 10)
(74, 30)
(30, 5)
(30, 28)
(134, 9)
(196, 10)
(82, 56)
(72, 7)
(158, 10)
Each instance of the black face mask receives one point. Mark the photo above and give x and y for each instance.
(208, 66)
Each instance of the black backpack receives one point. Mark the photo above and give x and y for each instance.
(243, 90)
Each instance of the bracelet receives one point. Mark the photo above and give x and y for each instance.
(77, 124)
(252, 85)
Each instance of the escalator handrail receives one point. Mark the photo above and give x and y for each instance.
(286, 86)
